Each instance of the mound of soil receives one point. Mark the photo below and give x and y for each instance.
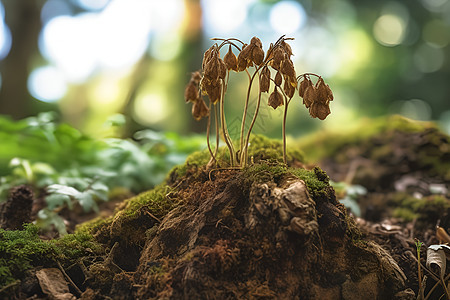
(237, 237)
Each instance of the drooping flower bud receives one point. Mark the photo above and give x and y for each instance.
(278, 79)
(287, 67)
(230, 60)
(222, 69)
(199, 110)
(306, 82)
(287, 48)
(310, 96)
(319, 110)
(275, 99)
(288, 88)
(264, 83)
(191, 92)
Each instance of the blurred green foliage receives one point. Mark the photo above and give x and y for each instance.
(66, 167)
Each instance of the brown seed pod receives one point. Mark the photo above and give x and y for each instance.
(288, 88)
(275, 99)
(244, 58)
(329, 93)
(310, 96)
(211, 70)
(196, 77)
(230, 60)
(319, 110)
(213, 89)
(287, 67)
(256, 42)
(278, 56)
(199, 110)
(264, 83)
(269, 53)
(222, 69)
(258, 55)
(322, 92)
(206, 57)
(306, 82)
(191, 92)
(286, 48)
(278, 79)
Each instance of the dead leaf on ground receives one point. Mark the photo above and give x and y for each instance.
(53, 284)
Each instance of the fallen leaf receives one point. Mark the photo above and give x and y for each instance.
(53, 284)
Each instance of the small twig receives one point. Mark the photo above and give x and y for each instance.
(153, 216)
(77, 289)
(9, 285)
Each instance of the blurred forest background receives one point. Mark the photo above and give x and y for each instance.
(90, 59)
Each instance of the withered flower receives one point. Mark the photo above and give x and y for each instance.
(319, 110)
(231, 60)
(309, 96)
(269, 53)
(257, 54)
(222, 69)
(243, 58)
(278, 56)
(256, 42)
(286, 48)
(287, 67)
(264, 83)
(191, 92)
(278, 79)
(306, 82)
(212, 89)
(275, 99)
(199, 110)
(211, 70)
(288, 89)
(206, 57)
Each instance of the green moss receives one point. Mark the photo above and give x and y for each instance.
(316, 180)
(261, 148)
(20, 250)
(429, 208)
(331, 141)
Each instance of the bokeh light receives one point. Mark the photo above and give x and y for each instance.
(287, 17)
(47, 84)
(389, 30)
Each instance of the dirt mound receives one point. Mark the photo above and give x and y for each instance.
(266, 232)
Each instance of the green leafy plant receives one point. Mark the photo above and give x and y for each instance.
(67, 167)
(213, 82)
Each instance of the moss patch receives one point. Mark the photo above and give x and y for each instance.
(332, 141)
(21, 250)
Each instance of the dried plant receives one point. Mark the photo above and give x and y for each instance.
(212, 81)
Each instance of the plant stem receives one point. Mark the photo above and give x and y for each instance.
(244, 153)
(226, 137)
(216, 119)
(243, 146)
(208, 129)
(286, 104)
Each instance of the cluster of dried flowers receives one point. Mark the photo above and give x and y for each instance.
(213, 81)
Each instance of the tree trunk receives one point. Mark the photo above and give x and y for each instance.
(23, 19)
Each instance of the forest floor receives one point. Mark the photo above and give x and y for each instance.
(347, 229)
